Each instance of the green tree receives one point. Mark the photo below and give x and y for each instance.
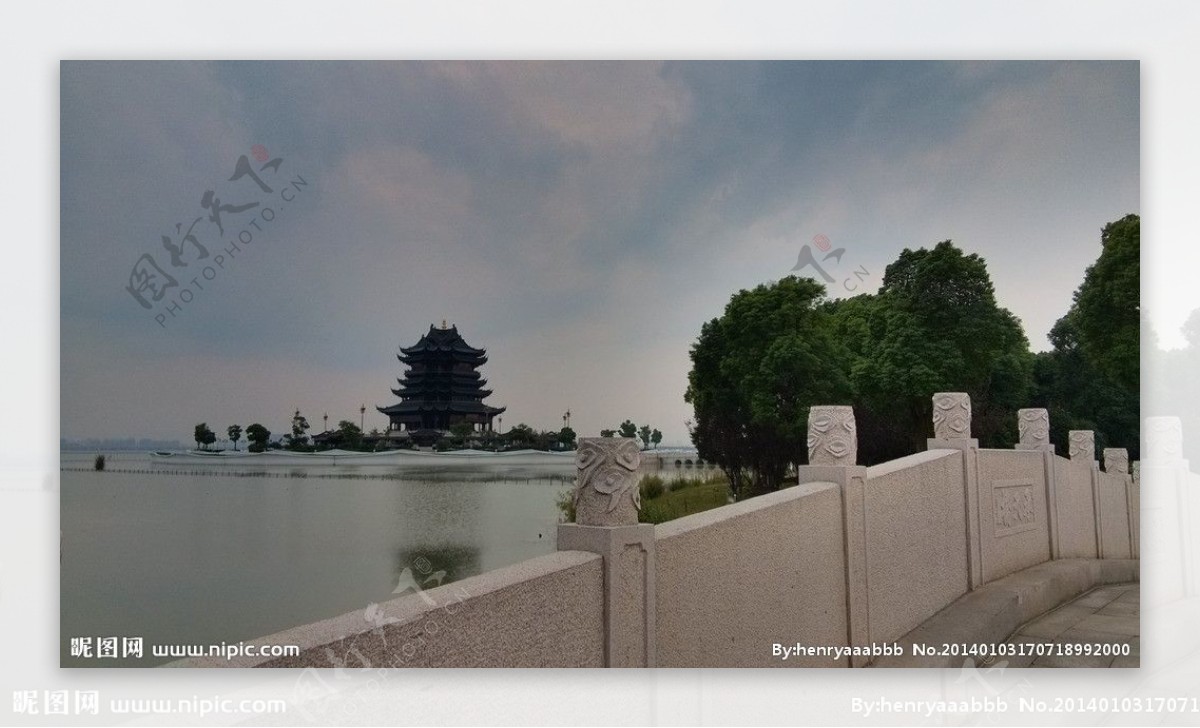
(755, 373)
(521, 435)
(235, 434)
(1089, 379)
(1107, 306)
(628, 429)
(545, 440)
(349, 435)
(297, 440)
(655, 438)
(460, 431)
(566, 436)
(258, 437)
(204, 436)
(1080, 397)
(643, 434)
(608, 433)
(934, 326)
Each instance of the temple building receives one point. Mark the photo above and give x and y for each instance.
(441, 387)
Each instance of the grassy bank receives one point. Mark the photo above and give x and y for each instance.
(665, 500)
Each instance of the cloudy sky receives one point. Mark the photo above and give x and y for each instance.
(579, 220)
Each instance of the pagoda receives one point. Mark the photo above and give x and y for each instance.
(441, 387)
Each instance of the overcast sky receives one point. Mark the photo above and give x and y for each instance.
(578, 220)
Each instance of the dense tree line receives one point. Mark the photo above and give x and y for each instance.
(647, 434)
(349, 436)
(1090, 379)
(519, 437)
(934, 325)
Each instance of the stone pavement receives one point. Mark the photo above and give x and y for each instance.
(1105, 615)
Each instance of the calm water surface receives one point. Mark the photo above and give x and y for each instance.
(205, 558)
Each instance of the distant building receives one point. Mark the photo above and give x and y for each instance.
(442, 387)
(326, 440)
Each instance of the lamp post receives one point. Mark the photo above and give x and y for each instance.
(362, 416)
(325, 417)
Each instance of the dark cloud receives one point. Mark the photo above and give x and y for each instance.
(580, 220)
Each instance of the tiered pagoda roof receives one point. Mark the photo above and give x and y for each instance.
(441, 386)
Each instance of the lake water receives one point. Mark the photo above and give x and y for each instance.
(195, 555)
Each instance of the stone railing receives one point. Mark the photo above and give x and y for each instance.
(851, 555)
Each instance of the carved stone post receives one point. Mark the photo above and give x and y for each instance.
(832, 436)
(832, 457)
(1082, 444)
(607, 499)
(1082, 449)
(951, 416)
(1033, 426)
(1116, 460)
(952, 431)
(606, 482)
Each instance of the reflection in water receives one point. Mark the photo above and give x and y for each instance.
(431, 566)
(199, 559)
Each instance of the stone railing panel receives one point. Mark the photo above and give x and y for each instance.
(1114, 515)
(734, 580)
(1014, 511)
(916, 536)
